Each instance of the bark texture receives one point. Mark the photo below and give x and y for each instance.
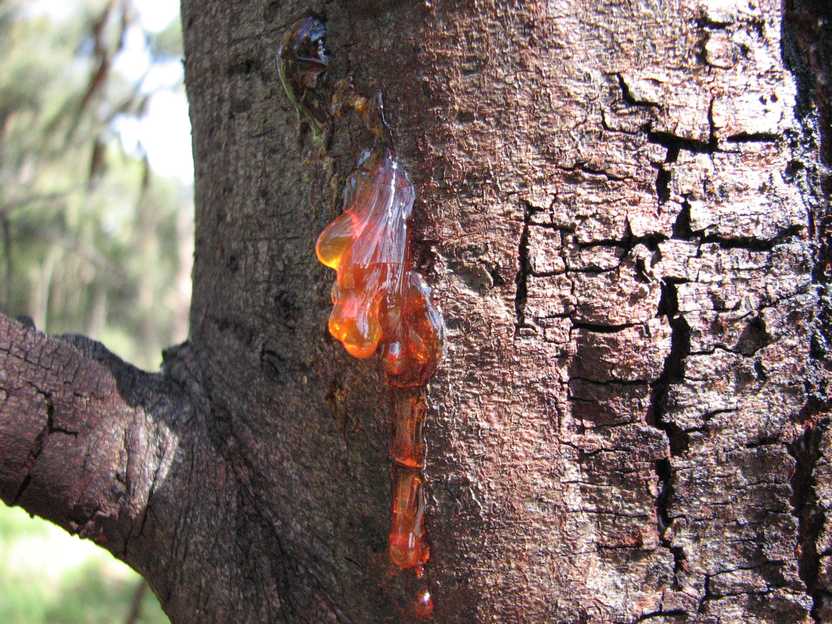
(622, 214)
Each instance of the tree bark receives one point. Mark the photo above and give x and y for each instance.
(622, 214)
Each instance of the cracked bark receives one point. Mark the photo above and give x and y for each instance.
(622, 214)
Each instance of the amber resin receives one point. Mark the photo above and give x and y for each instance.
(423, 607)
(407, 442)
(407, 542)
(380, 304)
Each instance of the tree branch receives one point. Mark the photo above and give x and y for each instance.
(87, 441)
(125, 457)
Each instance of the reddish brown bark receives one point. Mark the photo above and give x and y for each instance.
(618, 210)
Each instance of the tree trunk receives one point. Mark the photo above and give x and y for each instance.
(621, 212)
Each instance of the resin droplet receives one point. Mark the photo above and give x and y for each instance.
(413, 330)
(407, 541)
(379, 303)
(423, 607)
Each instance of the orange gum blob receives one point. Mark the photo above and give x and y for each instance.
(423, 606)
(379, 302)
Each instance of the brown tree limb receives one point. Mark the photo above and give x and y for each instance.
(6, 235)
(136, 602)
(67, 433)
(92, 444)
(127, 459)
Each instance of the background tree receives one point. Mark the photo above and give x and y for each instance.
(89, 234)
(623, 213)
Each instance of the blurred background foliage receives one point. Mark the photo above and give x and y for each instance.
(48, 576)
(94, 239)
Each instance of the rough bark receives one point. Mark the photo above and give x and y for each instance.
(622, 214)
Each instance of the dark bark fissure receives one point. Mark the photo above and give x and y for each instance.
(681, 226)
(752, 340)
(159, 456)
(628, 96)
(674, 366)
(51, 427)
(810, 515)
(672, 372)
(583, 167)
(807, 50)
(40, 440)
(663, 185)
(749, 137)
(671, 613)
(663, 176)
(707, 595)
(675, 144)
(524, 269)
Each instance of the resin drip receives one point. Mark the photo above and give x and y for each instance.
(381, 305)
(407, 543)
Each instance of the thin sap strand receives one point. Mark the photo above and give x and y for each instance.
(407, 542)
(407, 442)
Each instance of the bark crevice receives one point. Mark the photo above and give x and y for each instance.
(811, 517)
(673, 372)
(806, 50)
(524, 269)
